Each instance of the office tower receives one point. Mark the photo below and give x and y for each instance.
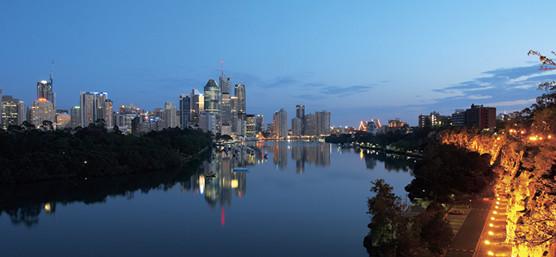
(45, 90)
(75, 114)
(297, 127)
(250, 126)
(197, 106)
(323, 122)
(480, 117)
(63, 119)
(212, 97)
(311, 125)
(95, 106)
(21, 112)
(239, 92)
(234, 112)
(224, 84)
(259, 121)
(42, 110)
(169, 115)
(185, 111)
(9, 111)
(208, 122)
(300, 113)
(108, 114)
(280, 124)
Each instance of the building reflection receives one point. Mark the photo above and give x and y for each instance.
(217, 181)
(313, 153)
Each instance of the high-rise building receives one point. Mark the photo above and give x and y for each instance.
(75, 114)
(250, 126)
(323, 122)
(480, 117)
(300, 113)
(297, 126)
(21, 112)
(185, 111)
(95, 106)
(169, 115)
(458, 118)
(208, 122)
(259, 123)
(45, 90)
(42, 110)
(311, 124)
(9, 111)
(224, 84)
(239, 92)
(212, 97)
(197, 106)
(280, 124)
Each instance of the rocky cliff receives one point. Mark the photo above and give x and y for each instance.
(527, 172)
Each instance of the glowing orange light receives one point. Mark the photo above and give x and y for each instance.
(490, 233)
(490, 253)
(487, 242)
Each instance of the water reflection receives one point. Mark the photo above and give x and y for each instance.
(214, 178)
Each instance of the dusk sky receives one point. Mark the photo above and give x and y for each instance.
(357, 59)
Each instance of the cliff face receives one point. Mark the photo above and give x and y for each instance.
(527, 172)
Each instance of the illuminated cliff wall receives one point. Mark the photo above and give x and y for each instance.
(527, 171)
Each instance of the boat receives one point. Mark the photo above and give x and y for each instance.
(240, 169)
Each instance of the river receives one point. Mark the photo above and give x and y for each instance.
(296, 199)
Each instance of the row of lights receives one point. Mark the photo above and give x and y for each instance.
(497, 211)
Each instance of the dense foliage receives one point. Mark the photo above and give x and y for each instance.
(447, 173)
(396, 231)
(28, 154)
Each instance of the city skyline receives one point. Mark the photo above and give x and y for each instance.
(150, 53)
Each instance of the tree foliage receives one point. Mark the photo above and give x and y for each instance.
(28, 154)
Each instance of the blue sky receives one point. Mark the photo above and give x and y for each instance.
(357, 59)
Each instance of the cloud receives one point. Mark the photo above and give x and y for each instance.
(518, 102)
(478, 97)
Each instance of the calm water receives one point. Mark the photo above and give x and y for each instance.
(303, 199)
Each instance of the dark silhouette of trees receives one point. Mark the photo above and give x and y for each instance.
(447, 173)
(396, 230)
(28, 154)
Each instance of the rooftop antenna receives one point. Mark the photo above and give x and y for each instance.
(221, 62)
(51, 77)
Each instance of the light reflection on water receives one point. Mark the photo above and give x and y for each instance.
(296, 199)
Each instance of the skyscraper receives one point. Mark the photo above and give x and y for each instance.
(296, 127)
(259, 123)
(280, 124)
(250, 126)
(21, 112)
(169, 115)
(323, 122)
(95, 106)
(212, 97)
(75, 114)
(185, 111)
(239, 92)
(197, 106)
(9, 111)
(45, 90)
(42, 110)
(300, 113)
